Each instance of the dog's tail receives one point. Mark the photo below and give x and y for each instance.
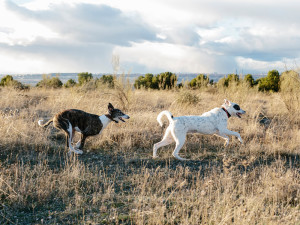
(40, 122)
(164, 113)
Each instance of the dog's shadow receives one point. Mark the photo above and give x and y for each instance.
(222, 163)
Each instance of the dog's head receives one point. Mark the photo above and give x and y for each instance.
(116, 114)
(233, 109)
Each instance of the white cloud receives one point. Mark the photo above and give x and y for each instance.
(174, 35)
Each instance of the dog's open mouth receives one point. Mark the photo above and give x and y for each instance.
(239, 115)
(120, 118)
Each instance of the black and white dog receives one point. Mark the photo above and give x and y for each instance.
(87, 124)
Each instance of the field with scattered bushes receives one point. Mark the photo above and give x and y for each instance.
(116, 181)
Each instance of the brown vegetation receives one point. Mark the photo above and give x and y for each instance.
(117, 182)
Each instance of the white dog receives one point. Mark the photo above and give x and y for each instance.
(212, 122)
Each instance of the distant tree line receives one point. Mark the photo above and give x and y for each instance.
(162, 81)
(83, 79)
(169, 80)
(270, 83)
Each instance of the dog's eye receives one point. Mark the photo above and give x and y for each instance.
(237, 107)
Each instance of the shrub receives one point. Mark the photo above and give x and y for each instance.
(270, 82)
(249, 80)
(70, 83)
(48, 82)
(290, 90)
(84, 77)
(9, 81)
(107, 80)
(225, 82)
(5, 81)
(149, 81)
(200, 81)
(165, 80)
(187, 98)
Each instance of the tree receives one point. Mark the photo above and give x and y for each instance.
(270, 82)
(147, 81)
(249, 80)
(9, 81)
(225, 82)
(166, 80)
(107, 80)
(200, 81)
(84, 77)
(48, 82)
(70, 83)
(6, 80)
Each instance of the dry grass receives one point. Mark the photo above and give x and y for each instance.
(117, 181)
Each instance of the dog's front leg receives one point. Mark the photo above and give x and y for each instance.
(233, 133)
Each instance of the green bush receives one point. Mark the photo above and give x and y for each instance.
(249, 80)
(107, 80)
(166, 80)
(270, 82)
(225, 82)
(200, 81)
(163, 81)
(149, 81)
(84, 77)
(6, 81)
(48, 82)
(70, 83)
(9, 81)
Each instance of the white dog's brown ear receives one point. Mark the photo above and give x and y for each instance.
(226, 102)
(110, 107)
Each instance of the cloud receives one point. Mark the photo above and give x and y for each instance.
(81, 37)
(46, 56)
(89, 23)
(193, 36)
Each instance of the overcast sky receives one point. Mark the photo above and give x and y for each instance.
(187, 36)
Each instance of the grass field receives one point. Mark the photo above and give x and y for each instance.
(116, 181)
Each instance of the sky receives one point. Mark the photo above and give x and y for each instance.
(180, 36)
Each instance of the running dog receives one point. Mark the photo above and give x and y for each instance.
(87, 124)
(212, 122)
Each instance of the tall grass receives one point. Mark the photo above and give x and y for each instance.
(116, 181)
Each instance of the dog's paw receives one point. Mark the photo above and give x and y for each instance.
(78, 151)
(154, 156)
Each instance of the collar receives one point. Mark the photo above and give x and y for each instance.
(110, 117)
(226, 112)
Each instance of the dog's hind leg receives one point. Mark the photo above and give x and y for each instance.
(167, 139)
(180, 140)
(69, 138)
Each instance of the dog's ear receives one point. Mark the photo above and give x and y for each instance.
(227, 102)
(110, 107)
